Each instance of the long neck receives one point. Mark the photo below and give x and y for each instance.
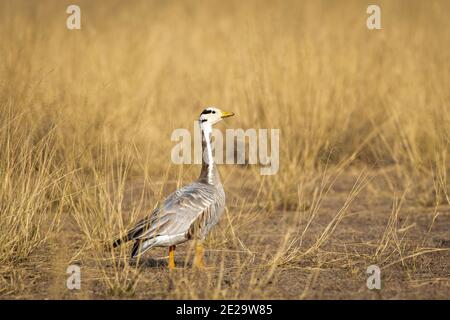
(209, 173)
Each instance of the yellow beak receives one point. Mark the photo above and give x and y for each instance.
(227, 114)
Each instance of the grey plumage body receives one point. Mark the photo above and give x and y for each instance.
(188, 213)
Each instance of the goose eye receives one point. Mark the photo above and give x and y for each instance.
(213, 112)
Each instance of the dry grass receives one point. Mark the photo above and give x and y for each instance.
(85, 124)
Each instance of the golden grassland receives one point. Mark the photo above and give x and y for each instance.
(86, 119)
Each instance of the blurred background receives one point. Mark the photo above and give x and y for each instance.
(86, 119)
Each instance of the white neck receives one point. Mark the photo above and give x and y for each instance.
(208, 168)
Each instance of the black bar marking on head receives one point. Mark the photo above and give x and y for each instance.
(206, 111)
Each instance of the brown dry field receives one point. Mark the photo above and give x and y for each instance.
(86, 120)
(415, 267)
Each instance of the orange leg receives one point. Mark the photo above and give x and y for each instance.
(198, 259)
(171, 257)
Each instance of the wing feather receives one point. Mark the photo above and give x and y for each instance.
(190, 211)
(181, 211)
